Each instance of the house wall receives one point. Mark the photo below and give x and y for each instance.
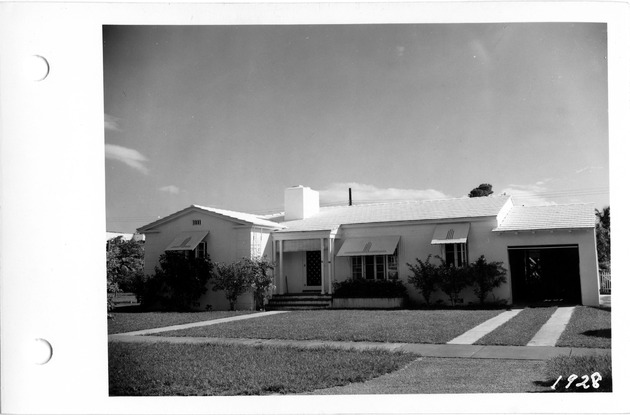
(227, 242)
(415, 242)
(584, 238)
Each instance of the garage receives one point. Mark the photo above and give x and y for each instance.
(545, 274)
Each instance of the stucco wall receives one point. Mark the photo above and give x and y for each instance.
(227, 242)
(415, 242)
(294, 273)
(584, 238)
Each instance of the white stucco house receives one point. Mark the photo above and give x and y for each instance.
(548, 251)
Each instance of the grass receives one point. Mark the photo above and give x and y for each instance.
(125, 321)
(163, 369)
(581, 366)
(519, 330)
(409, 326)
(588, 327)
(448, 375)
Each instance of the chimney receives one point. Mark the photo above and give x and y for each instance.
(300, 203)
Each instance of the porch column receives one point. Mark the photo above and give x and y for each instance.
(322, 268)
(275, 268)
(331, 260)
(281, 268)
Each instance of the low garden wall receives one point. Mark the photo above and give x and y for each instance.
(381, 303)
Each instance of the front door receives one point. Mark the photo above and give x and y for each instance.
(313, 268)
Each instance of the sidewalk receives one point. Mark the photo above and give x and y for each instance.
(426, 350)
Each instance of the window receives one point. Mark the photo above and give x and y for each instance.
(196, 222)
(200, 251)
(357, 267)
(392, 267)
(455, 254)
(375, 267)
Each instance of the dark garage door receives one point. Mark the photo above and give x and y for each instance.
(548, 273)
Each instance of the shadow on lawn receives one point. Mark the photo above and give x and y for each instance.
(604, 333)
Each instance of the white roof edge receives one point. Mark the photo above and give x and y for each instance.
(564, 228)
(222, 212)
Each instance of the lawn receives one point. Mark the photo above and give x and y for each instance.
(126, 320)
(407, 326)
(588, 327)
(442, 375)
(519, 330)
(590, 373)
(163, 369)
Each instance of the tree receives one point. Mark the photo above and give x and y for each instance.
(425, 277)
(484, 189)
(125, 263)
(180, 280)
(234, 278)
(485, 276)
(602, 232)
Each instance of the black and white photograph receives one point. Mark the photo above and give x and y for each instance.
(279, 208)
(357, 209)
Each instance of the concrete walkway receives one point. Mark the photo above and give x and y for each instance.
(551, 331)
(427, 350)
(476, 333)
(202, 323)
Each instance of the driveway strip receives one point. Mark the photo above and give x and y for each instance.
(484, 328)
(551, 331)
(202, 323)
(428, 350)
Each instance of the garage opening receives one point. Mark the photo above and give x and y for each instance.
(545, 274)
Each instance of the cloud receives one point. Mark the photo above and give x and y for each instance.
(338, 193)
(587, 169)
(111, 123)
(529, 194)
(129, 156)
(170, 189)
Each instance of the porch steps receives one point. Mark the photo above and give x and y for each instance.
(299, 301)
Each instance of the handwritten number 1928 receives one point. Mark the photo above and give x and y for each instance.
(594, 378)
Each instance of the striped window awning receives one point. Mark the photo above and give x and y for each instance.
(450, 233)
(186, 241)
(379, 245)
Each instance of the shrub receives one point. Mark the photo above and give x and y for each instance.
(452, 280)
(425, 277)
(486, 276)
(178, 282)
(235, 278)
(362, 288)
(261, 280)
(112, 289)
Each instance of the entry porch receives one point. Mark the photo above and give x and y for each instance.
(304, 264)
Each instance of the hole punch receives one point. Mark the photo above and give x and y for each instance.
(42, 351)
(38, 68)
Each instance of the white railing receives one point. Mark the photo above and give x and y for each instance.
(604, 282)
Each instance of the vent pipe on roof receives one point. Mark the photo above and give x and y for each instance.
(349, 196)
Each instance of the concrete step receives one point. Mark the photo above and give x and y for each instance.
(299, 301)
(269, 307)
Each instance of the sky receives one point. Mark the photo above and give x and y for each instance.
(230, 116)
